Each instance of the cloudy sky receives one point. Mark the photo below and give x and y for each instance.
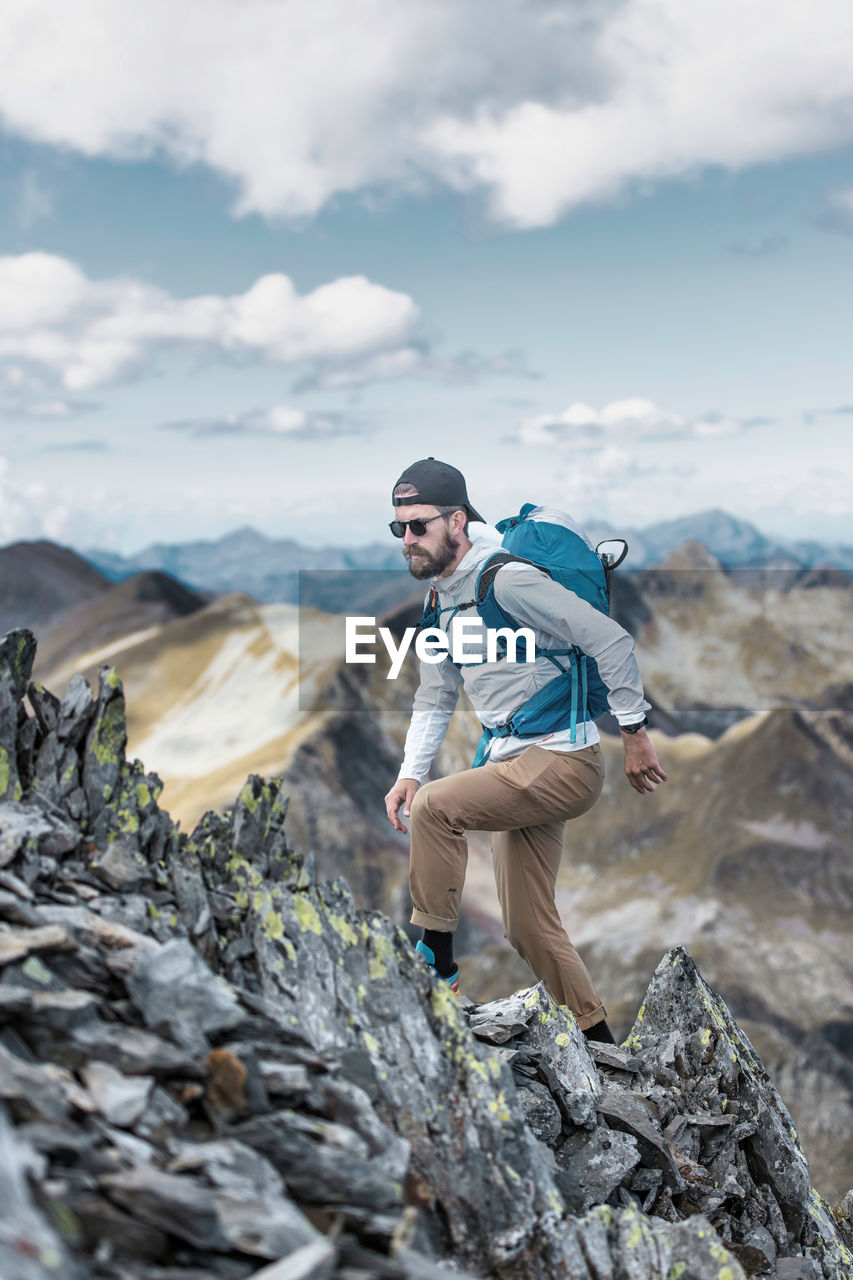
(258, 256)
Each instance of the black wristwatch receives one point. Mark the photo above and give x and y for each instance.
(632, 728)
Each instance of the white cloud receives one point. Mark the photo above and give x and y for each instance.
(581, 427)
(84, 333)
(31, 510)
(283, 421)
(543, 105)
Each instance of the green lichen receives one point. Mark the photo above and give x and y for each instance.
(371, 1043)
(108, 738)
(306, 913)
(5, 771)
(511, 1173)
(344, 930)
(143, 795)
(128, 821)
(154, 911)
(676, 1271)
(498, 1107)
(563, 1040)
(36, 971)
(532, 1001)
(272, 926)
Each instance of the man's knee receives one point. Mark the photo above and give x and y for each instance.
(422, 802)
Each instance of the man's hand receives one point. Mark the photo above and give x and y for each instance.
(402, 793)
(641, 763)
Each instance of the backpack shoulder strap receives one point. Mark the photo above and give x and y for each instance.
(488, 573)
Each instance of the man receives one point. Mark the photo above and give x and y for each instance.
(528, 787)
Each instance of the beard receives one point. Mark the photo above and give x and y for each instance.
(426, 564)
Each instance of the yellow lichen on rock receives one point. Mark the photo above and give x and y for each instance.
(306, 913)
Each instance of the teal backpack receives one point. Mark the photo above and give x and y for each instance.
(577, 693)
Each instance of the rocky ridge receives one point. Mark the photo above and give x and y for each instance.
(214, 1066)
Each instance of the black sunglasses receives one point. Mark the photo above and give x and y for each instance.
(418, 527)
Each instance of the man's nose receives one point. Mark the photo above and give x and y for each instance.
(408, 537)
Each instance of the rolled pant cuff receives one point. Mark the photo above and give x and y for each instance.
(438, 923)
(587, 1020)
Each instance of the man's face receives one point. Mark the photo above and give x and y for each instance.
(433, 553)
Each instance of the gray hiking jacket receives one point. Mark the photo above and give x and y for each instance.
(558, 618)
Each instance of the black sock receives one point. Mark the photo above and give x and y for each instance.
(601, 1032)
(441, 945)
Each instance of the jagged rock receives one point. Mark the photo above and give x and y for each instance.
(30, 1249)
(120, 1099)
(105, 744)
(173, 986)
(75, 712)
(17, 655)
(549, 1037)
(593, 1165)
(168, 1202)
(541, 1112)
(26, 827)
(121, 868)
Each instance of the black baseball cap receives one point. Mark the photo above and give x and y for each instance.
(438, 484)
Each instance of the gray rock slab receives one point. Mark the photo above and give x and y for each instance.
(502, 1020)
(622, 1111)
(18, 943)
(230, 1166)
(120, 1099)
(314, 1261)
(30, 1248)
(105, 744)
(269, 1227)
(121, 866)
(541, 1112)
(75, 712)
(173, 986)
(17, 655)
(169, 1202)
(592, 1166)
(28, 824)
(45, 706)
(553, 1038)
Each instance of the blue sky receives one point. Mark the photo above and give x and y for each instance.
(596, 255)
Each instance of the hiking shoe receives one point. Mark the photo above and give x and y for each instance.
(429, 959)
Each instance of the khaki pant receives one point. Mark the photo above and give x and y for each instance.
(524, 802)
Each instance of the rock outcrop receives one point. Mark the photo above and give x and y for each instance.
(213, 1066)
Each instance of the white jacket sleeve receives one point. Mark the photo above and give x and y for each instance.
(535, 600)
(433, 706)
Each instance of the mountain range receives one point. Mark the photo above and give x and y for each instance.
(267, 568)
